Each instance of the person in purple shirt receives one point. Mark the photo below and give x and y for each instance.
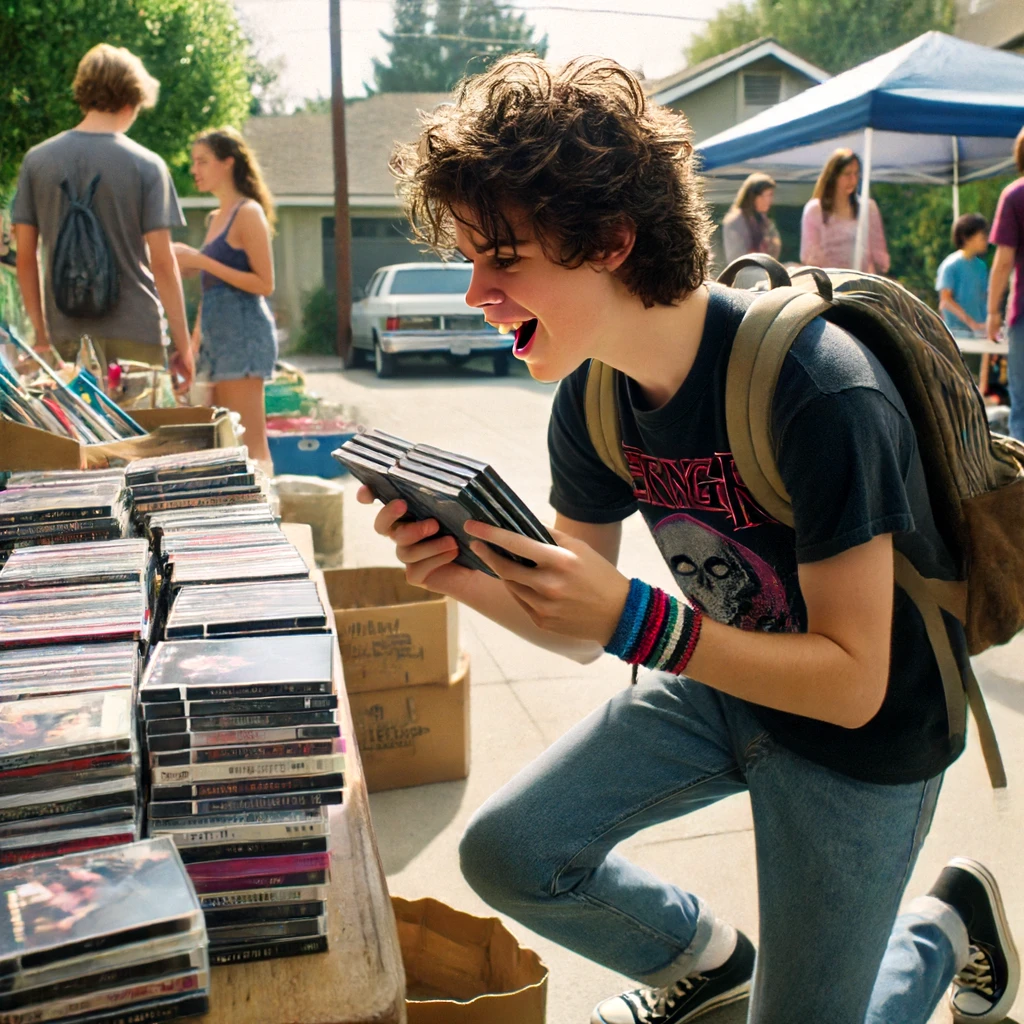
(1008, 236)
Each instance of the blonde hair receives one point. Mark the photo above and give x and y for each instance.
(110, 78)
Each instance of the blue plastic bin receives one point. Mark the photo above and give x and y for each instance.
(307, 454)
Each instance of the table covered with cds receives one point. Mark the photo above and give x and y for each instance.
(184, 826)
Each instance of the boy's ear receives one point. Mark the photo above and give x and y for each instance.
(623, 240)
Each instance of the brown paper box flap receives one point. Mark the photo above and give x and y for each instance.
(471, 970)
(378, 586)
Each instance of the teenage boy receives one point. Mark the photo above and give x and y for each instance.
(136, 204)
(791, 669)
(962, 278)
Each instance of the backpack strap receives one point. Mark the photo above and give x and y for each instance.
(90, 192)
(765, 336)
(601, 410)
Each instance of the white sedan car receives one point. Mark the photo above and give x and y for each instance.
(421, 308)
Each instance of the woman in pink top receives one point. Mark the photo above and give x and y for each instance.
(828, 229)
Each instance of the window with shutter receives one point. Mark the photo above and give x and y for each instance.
(763, 90)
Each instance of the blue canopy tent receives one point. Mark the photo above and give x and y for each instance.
(937, 110)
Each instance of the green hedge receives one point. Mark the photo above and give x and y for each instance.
(319, 323)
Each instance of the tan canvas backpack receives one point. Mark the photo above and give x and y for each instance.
(975, 478)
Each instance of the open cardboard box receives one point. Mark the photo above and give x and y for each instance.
(183, 429)
(391, 633)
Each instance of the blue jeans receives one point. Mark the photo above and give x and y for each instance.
(1015, 369)
(833, 858)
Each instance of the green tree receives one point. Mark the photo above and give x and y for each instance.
(836, 36)
(195, 48)
(436, 42)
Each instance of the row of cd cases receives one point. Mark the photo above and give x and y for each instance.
(230, 744)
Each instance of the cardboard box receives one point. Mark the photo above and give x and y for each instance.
(170, 430)
(391, 633)
(412, 735)
(461, 969)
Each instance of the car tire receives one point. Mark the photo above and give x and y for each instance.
(354, 358)
(385, 363)
(502, 364)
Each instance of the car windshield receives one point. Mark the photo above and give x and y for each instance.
(432, 281)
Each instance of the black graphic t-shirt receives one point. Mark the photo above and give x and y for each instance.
(848, 456)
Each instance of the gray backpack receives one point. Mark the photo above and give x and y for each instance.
(975, 477)
(85, 275)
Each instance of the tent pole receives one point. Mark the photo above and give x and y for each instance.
(861, 248)
(956, 179)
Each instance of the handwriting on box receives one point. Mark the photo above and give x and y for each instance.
(375, 733)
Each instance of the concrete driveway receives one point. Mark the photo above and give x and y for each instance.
(524, 698)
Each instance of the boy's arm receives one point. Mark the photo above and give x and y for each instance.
(27, 239)
(998, 282)
(946, 301)
(168, 286)
(428, 563)
(836, 672)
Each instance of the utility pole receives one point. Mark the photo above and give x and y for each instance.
(342, 233)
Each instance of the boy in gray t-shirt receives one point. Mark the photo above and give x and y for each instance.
(136, 204)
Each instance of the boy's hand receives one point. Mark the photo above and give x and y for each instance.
(572, 591)
(995, 322)
(428, 558)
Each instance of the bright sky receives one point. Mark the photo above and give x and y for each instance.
(642, 34)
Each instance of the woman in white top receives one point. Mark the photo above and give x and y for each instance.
(828, 229)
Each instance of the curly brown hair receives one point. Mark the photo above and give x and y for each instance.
(579, 150)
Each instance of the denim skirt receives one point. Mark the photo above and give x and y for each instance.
(238, 335)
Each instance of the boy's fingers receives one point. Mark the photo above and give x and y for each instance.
(412, 554)
(388, 516)
(418, 572)
(514, 542)
(407, 534)
(504, 567)
(365, 496)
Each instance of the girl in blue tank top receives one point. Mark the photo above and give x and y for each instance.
(234, 332)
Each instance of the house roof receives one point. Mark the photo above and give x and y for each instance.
(295, 150)
(689, 80)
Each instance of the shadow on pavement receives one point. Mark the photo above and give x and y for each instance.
(1008, 692)
(406, 820)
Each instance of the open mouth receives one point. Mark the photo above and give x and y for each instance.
(524, 336)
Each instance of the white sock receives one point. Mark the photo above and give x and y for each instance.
(718, 950)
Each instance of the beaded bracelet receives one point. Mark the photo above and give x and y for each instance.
(655, 630)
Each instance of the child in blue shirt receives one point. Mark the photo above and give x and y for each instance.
(962, 279)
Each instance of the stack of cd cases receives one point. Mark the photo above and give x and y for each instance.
(215, 477)
(441, 485)
(69, 763)
(61, 507)
(85, 591)
(107, 937)
(244, 755)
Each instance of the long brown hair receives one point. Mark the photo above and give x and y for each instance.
(755, 184)
(246, 173)
(825, 189)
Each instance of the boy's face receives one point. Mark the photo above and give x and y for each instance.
(977, 243)
(562, 311)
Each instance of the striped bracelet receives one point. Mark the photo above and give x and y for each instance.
(655, 630)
